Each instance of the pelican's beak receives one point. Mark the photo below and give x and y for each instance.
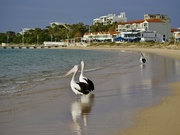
(74, 69)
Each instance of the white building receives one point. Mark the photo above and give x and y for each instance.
(99, 37)
(152, 36)
(177, 35)
(110, 18)
(138, 36)
(23, 30)
(161, 27)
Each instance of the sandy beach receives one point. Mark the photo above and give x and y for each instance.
(161, 119)
(49, 107)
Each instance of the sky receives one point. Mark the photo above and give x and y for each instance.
(17, 14)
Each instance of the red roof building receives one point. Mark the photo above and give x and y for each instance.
(152, 24)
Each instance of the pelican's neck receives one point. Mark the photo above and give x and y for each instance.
(73, 77)
(82, 70)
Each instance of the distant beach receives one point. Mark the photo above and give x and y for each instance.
(127, 94)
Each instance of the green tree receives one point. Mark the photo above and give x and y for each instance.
(3, 38)
(99, 27)
(17, 39)
(54, 33)
(10, 36)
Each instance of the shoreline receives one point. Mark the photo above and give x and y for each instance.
(159, 51)
(30, 104)
(161, 118)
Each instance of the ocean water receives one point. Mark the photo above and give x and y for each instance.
(21, 69)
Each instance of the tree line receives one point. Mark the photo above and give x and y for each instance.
(54, 33)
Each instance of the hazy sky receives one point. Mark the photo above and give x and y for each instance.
(17, 14)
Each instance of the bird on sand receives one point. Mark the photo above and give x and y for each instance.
(142, 59)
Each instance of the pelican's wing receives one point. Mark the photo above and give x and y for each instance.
(143, 60)
(90, 83)
(84, 88)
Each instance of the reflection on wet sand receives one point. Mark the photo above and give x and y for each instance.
(143, 66)
(80, 110)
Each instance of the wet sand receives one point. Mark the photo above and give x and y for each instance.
(52, 108)
(162, 119)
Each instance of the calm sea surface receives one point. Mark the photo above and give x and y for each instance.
(21, 69)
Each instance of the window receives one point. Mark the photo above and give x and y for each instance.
(138, 34)
(164, 37)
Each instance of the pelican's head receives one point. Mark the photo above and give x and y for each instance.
(82, 63)
(73, 70)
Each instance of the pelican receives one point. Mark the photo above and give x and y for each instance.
(142, 59)
(79, 88)
(84, 79)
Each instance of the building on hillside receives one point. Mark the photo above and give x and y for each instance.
(157, 16)
(111, 18)
(161, 27)
(99, 37)
(24, 30)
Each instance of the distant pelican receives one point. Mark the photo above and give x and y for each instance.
(142, 59)
(79, 88)
(84, 79)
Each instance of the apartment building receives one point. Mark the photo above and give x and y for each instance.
(111, 18)
(177, 35)
(152, 24)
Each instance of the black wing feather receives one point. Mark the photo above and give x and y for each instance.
(90, 84)
(84, 88)
(143, 60)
